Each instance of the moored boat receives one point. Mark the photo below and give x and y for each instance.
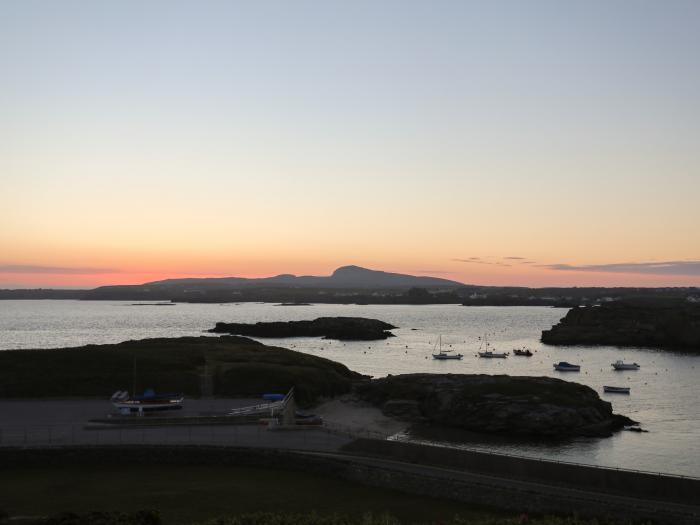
(522, 352)
(444, 355)
(489, 354)
(493, 355)
(621, 365)
(563, 366)
(616, 389)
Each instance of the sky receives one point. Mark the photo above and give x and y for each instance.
(508, 143)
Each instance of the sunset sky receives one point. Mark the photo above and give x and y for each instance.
(531, 143)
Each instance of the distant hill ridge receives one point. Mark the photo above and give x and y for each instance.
(344, 277)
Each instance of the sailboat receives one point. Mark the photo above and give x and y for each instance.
(489, 354)
(150, 401)
(444, 355)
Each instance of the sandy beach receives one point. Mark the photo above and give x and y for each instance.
(358, 417)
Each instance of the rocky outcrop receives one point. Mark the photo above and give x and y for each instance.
(516, 406)
(662, 325)
(341, 328)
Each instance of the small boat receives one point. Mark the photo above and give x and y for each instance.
(616, 389)
(493, 355)
(490, 354)
(563, 366)
(150, 401)
(522, 351)
(620, 365)
(445, 355)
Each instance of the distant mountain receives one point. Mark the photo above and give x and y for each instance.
(343, 277)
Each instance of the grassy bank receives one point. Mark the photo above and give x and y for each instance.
(187, 494)
(226, 366)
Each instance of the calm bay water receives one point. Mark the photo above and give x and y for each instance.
(665, 392)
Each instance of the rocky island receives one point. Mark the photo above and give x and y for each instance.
(340, 328)
(657, 324)
(516, 406)
(231, 366)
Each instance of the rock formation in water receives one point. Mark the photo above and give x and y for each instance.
(515, 406)
(341, 328)
(674, 325)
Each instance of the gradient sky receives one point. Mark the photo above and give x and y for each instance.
(532, 143)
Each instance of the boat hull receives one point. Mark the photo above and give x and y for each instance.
(616, 390)
(441, 357)
(145, 407)
(567, 367)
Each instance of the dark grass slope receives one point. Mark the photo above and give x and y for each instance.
(236, 366)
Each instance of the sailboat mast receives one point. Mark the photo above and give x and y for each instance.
(133, 384)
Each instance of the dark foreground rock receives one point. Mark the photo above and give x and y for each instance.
(517, 406)
(341, 328)
(663, 325)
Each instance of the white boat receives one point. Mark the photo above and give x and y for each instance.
(150, 401)
(493, 355)
(616, 389)
(444, 355)
(563, 366)
(620, 365)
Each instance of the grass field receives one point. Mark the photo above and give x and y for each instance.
(186, 494)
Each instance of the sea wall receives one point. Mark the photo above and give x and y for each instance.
(414, 479)
(611, 481)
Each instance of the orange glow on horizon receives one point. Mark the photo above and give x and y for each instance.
(526, 276)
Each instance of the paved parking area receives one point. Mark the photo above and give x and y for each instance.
(62, 422)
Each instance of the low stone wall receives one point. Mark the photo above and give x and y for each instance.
(610, 481)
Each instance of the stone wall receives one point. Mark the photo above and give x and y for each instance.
(611, 481)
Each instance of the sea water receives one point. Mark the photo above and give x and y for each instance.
(665, 392)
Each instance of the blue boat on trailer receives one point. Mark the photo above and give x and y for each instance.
(149, 401)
